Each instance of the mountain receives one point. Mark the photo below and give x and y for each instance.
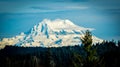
(50, 33)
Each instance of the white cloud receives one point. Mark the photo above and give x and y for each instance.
(22, 7)
(77, 7)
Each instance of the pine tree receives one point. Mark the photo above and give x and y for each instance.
(92, 59)
(87, 42)
(87, 39)
(49, 59)
(118, 43)
(77, 60)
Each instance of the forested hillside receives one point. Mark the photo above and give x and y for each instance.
(105, 54)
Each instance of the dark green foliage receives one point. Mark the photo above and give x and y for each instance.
(91, 59)
(49, 59)
(77, 60)
(87, 39)
(72, 56)
(105, 54)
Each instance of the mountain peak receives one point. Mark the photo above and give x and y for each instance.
(51, 33)
(57, 21)
(59, 24)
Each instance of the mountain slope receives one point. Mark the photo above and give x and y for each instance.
(50, 33)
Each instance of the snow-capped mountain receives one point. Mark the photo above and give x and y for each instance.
(50, 33)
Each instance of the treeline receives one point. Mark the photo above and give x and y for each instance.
(105, 54)
(71, 56)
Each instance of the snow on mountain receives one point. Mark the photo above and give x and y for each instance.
(11, 41)
(50, 33)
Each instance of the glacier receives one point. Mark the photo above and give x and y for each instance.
(50, 33)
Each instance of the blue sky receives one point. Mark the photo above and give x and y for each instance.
(20, 16)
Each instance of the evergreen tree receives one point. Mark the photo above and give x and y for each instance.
(49, 59)
(87, 42)
(92, 60)
(118, 43)
(87, 39)
(77, 60)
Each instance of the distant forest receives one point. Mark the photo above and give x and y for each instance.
(105, 54)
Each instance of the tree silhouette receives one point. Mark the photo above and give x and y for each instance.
(92, 59)
(49, 59)
(87, 39)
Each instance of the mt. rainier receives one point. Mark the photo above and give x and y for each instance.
(50, 33)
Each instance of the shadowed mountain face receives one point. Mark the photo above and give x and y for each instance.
(50, 33)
